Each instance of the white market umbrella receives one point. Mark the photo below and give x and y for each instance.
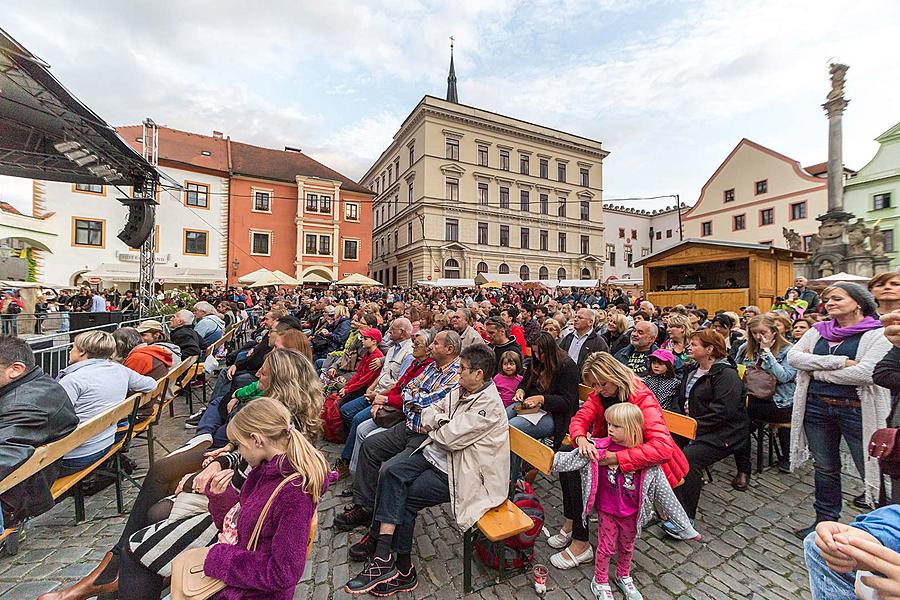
(254, 276)
(313, 277)
(276, 278)
(358, 279)
(842, 276)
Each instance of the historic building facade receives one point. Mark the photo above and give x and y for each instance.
(753, 194)
(874, 192)
(630, 234)
(296, 215)
(462, 191)
(190, 223)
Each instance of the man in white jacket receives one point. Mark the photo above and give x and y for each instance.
(464, 461)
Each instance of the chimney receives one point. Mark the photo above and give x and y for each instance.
(292, 149)
(218, 135)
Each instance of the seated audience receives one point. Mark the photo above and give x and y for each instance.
(636, 355)
(584, 340)
(34, 410)
(499, 339)
(95, 384)
(183, 335)
(152, 360)
(465, 434)
(208, 324)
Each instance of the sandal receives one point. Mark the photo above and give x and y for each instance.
(560, 540)
(566, 560)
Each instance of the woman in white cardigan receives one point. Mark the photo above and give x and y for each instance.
(835, 396)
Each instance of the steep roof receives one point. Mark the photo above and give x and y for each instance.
(285, 165)
(183, 147)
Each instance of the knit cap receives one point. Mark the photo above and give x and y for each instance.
(861, 295)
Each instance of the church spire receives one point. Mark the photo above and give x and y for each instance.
(451, 79)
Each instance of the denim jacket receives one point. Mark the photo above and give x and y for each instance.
(779, 368)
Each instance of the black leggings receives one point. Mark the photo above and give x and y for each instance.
(160, 482)
(137, 582)
(767, 412)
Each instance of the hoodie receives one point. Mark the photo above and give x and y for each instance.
(153, 361)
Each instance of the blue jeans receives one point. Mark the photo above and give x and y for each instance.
(824, 426)
(354, 412)
(69, 466)
(823, 582)
(543, 429)
(214, 417)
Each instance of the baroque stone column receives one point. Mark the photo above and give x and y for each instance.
(834, 106)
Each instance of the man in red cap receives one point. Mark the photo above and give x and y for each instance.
(353, 400)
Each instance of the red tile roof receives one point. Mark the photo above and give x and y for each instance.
(7, 207)
(817, 169)
(183, 147)
(285, 165)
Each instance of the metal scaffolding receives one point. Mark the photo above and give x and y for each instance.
(146, 278)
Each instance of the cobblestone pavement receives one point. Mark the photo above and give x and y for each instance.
(748, 549)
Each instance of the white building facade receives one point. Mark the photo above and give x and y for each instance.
(191, 230)
(632, 233)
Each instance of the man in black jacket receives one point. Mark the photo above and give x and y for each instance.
(636, 355)
(584, 341)
(183, 334)
(34, 410)
(500, 340)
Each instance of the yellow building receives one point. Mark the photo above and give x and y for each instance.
(462, 191)
(756, 192)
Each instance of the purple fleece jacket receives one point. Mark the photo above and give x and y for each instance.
(265, 573)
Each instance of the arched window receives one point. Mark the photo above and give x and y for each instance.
(451, 269)
(560, 273)
(543, 273)
(409, 275)
(585, 273)
(503, 269)
(524, 273)
(482, 267)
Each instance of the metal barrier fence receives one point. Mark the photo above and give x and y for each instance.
(51, 351)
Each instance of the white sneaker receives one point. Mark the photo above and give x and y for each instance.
(560, 540)
(601, 591)
(626, 584)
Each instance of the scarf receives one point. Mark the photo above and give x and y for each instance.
(833, 332)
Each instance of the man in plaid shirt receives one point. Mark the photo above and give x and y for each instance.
(433, 384)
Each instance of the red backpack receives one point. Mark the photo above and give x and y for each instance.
(517, 550)
(332, 421)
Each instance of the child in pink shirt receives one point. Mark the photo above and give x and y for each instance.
(618, 502)
(509, 376)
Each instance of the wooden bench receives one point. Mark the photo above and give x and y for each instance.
(506, 520)
(197, 371)
(48, 454)
(144, 426)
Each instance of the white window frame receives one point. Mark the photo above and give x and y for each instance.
(255, 232)
(253, 192)
(344, 249)
(347, 206)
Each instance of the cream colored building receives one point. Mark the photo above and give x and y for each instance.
(462, 191)
(753, 194)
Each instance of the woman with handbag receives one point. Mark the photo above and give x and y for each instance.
(835, 397)
(769, 385)
(265, 528)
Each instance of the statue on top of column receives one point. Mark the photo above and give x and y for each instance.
(792, 238)
(838, 73)
(857, 234)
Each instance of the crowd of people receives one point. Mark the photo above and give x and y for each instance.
(426, 383)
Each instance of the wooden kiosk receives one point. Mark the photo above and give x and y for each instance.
(716, 274)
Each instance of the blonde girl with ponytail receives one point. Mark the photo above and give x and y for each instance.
(268, 439)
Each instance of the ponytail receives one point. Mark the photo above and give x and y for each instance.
(269, 418)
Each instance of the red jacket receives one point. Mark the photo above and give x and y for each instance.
(364, 374)
(395, 394)
(153, 361)
(518, 334)
(658, 448)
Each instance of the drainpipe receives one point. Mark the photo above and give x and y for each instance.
(228, 200)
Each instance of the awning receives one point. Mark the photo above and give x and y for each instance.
(164, 275)
(314, 277)
(358, 279)
(501, 278)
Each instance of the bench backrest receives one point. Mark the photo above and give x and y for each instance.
(531, 450)
(679, 424)
(50, 453)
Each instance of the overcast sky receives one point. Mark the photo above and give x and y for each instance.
(669, 87)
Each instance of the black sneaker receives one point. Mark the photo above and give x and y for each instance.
(404, 582)
(376, 571)
(363, 550)
(801, 534)
(353, 518)
(192, 421)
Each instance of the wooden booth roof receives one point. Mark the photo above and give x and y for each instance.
(700, 250)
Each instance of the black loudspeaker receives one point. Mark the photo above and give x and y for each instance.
(139, 225)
